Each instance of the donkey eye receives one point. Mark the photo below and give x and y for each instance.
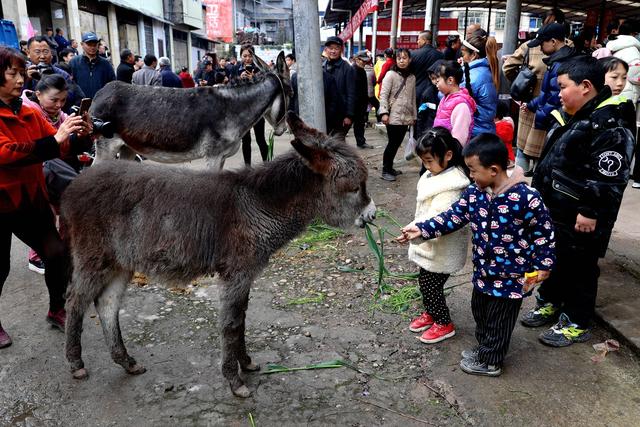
(354, 190)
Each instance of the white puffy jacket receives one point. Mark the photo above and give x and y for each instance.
(627, 48)
(445, 254)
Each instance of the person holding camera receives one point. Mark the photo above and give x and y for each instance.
(26, 140)
(48, 98)
(40, 64)
(246, 70)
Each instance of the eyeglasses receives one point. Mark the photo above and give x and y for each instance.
(42, 52)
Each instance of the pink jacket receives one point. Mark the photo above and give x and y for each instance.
(458, 120)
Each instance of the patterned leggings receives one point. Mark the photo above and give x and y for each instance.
(431, 287)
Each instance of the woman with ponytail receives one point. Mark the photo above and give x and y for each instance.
(480, 78)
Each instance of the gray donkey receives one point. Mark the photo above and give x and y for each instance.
(178, 224)
(172, 125)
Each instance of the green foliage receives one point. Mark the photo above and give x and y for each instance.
(270, 144)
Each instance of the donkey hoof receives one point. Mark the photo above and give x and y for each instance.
(251, 367)
(242, 391)
(136, 369)
(80, 374)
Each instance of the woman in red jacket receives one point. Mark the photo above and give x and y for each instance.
(26, 140)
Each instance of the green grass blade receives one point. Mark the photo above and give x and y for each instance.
(252, 423)
(332, 364)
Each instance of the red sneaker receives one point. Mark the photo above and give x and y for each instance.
(421, 323)
(438, 333)
(56, 319)
(5, 339)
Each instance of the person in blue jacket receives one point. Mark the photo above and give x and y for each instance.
(90, 71)
(513, 247)
(481, 70)
(551, 39)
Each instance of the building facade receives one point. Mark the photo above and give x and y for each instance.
(172, 28)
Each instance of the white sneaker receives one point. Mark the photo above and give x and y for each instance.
(635, 185)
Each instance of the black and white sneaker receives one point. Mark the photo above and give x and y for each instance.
(471, 353)
(476, 367)
(36, 265)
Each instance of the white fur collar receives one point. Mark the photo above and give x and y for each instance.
(451, 179)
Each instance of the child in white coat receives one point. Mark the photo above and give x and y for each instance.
(441, 154)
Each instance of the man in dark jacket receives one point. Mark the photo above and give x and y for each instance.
(551, 38)
(582, 174)
(330, 100)
(89, 70)
(167, 76)
(40, 58)
(125, 70)
(345, 77)
(362, 99)
(422, 59)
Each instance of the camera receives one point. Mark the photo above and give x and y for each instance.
(105, 129)
(42, 68)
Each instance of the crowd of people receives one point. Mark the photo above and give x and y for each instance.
(576, 136)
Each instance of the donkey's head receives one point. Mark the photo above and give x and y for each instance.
(344, 196)
(277, 111)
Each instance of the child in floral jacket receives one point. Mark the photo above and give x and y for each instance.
(513, 247)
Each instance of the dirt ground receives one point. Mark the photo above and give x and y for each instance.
(304, 310)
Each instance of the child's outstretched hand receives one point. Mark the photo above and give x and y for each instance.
(534, 279)
(409, 232)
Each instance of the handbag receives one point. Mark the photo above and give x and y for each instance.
(410, 146)
(525, 82)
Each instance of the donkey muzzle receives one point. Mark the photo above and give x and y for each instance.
(367, 215)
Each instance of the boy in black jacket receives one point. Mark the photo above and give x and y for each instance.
(582, 174)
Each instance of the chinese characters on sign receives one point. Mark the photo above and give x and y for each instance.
(219, 19)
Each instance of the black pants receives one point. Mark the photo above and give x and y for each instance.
(495, 319)
(374, 102)
(339, 132)
(258, 129)
(396, 134)
(34, 225)
(574, 280)
(432, 289)
(635, 175)
(359, 123)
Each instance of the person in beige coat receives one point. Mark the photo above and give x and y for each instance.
(441, 154)
(530, 139)
(397, 108)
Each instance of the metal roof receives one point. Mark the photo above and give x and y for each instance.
(574, 10)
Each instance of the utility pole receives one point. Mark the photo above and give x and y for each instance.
(309, 68)
(394, 24)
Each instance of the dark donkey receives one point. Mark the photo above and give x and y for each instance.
(190, 223)
(172, 125)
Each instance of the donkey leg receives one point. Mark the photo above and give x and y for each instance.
(107, 149)
(233, 298)
(126, 153)
(243, 357)
(215, 163)
(79, 296)
(108, 306)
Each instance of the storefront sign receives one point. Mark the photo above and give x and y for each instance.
(219, 19)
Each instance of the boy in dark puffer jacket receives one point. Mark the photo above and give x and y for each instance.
(512, 235)
(582, 174)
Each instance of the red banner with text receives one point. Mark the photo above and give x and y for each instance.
(219, 19)
(367, 7)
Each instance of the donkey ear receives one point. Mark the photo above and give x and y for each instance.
(306, 144)
(316, 158)
(260, 63)
(300, 128)
(281, 65)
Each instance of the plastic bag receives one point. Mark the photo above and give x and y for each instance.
(410, 146)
